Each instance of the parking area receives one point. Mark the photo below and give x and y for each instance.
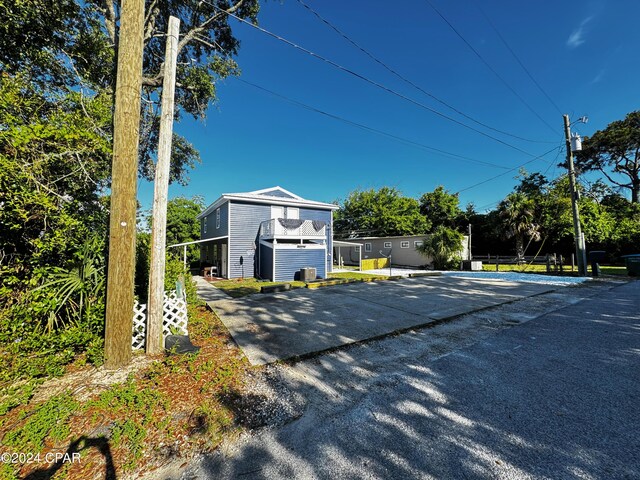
(300, 322)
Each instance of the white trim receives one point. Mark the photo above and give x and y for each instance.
(197, 241)
(227, 197)
(301, 246)
(258, 192)
(273, 257)
(229, 241)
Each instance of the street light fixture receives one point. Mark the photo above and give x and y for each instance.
(574, 144)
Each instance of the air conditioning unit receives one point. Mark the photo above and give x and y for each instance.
(307, 274)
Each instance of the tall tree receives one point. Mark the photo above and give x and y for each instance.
(73, 43)
(615, 152)
(381, 212)
(517, 215)
(182, 224)
(440, 207)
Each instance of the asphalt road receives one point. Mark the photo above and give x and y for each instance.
(497, 395)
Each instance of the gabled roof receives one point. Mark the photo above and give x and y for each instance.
(271, 196)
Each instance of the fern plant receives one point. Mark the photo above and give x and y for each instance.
(79, 290)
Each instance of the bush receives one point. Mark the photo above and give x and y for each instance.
(444, 246)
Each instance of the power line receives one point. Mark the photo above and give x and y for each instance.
(371, 129)
(508, 171)
(406, 80)
(506, 84)
(368, 80)
(484, 207)
(506, 44)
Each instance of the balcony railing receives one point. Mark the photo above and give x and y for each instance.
(307, 229)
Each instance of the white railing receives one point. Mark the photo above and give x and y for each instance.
(274, 229)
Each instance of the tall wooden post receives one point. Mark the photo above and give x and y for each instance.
(581, 255)
(122, 223)
(160, 191)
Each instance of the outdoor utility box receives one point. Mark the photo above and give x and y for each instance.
(473, 265)
(633, 264)
(595, 257)
(307, 274)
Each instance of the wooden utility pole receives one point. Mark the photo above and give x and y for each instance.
(122, 226)
(160, 191)
(577, 230)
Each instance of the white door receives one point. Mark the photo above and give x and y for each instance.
(223, 260)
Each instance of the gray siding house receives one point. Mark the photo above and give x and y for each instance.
(402, 248)
(270, 234)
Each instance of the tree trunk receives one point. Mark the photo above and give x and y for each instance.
(635, 190)
(519, 247)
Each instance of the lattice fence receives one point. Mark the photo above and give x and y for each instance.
(174, 319)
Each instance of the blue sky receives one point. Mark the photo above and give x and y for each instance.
(582, 54)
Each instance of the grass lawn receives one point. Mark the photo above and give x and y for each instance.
(606, 270)
(358, 276)
(247, 286)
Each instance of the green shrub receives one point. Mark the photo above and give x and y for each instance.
(48, 420)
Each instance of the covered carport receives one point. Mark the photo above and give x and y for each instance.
(339, 247)
(186, 244)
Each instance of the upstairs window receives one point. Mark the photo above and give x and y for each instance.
(217, 218)
(404, 244)
(204, 225)
(387, 244)
(367, 247)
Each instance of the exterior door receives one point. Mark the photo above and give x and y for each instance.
(223, 260)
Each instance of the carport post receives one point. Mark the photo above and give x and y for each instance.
(360, 262)
(184, 258)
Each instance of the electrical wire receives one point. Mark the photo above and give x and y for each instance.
(406, 80)
(371, 129)
(506, 44)
(488, 65)
(368, 80)
(508, 171)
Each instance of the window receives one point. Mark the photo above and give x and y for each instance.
(418, 243)
(293, 212)
(404, 244)
(204, 223)
(367, 247)
(387, 244)
(217, 218)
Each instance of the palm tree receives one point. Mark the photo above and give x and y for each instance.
(517, 215)
(444, 245)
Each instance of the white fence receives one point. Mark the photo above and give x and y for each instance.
(174, 319)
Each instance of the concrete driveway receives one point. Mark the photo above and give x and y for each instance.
(300, 322)
(554, 397)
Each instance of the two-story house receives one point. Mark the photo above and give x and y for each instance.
(270, 234)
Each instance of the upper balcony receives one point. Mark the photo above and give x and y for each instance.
(281, 228)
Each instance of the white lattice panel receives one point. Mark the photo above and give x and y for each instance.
(139, 325)
(174, 319)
